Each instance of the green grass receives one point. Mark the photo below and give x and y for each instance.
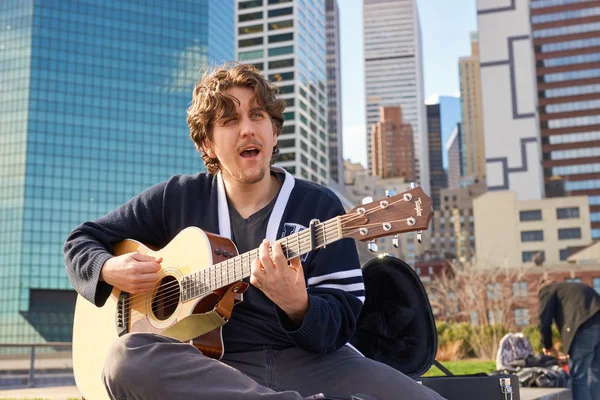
(465, 367)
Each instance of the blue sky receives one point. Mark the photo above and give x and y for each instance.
(445, 29)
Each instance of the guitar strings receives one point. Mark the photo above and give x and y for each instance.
(172, 296)
(173, 287)
(172, 290)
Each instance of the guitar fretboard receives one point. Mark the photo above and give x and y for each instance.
(232, 270)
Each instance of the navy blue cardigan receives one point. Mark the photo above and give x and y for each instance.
(157, 215)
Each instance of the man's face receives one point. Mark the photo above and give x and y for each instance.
(243, 143)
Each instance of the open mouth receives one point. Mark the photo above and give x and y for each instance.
(250, 152)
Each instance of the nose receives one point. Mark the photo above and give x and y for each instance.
(247, 127)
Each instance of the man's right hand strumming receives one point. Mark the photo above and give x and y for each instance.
(132, 272)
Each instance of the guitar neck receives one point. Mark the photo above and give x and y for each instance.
(234, 269)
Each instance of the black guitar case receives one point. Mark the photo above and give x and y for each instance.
(396, 327)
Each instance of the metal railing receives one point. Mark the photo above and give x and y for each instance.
(32, 354)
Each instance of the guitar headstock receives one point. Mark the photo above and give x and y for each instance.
(405, 212)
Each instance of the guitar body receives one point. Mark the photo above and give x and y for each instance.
(97, 328)
(202, 273)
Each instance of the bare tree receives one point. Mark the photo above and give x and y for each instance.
(480, 295)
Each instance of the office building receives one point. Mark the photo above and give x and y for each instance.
(392, 144)
(566, 42)
(472, 115)
(454, 149)
(394, 72)
(285, 39)
(92, 112)
(439, 179)
(508, 99)
(529, 231)
(334, 92)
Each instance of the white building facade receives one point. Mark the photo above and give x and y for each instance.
(509, 98)
(285, 39)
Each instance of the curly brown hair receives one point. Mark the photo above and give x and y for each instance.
(210, 103)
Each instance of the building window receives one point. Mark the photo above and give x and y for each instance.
(521, 316)
(519, 289)
(566, 213)
(249, 55)
(281, 64)
(532, 236)
(284, 37)
(250, 17)
(576, 280)
(530, 215)
(596, 284)
(246, 30)
(288, 129)
(286, 157)
(533, 256)
(279, 1)
(419, 271)
(474, 318)
(563, 254)
(280, 11)
(494, 291)
(569, 233)
(251, 42)
(282, 76)
(278, 51)
(275, 26)
(494, 316)
(286, 89)
(242, 5)
(430, 270)
(286, 143)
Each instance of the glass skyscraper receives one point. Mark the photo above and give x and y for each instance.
(93, 98)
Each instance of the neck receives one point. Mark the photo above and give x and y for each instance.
(248, 198)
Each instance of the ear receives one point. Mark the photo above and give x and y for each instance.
(208, 149)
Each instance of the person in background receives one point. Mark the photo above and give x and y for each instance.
(575, 308)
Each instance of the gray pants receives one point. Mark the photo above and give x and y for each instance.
(147, 366)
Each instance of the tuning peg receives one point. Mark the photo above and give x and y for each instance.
(395, 241)
(372, 246)
(390, 193)
(414, 185)
(367, 200)
(420, 236)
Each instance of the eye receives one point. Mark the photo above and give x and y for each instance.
(257, 114)
(229, 121)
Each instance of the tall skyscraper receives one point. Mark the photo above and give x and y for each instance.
(436, 166)
(392, 144)
(286, 40)
(394, 72)
(510, 124)
(92, 112)
(455, 158)
(566, 41)
(472, 117)
(449, 116)
(334, 92)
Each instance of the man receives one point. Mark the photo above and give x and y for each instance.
(575, 308)
(286, 340)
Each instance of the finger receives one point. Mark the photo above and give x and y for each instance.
(264, 256)
(145, 257)
(145, 278)
(256, 266)
(146, 267)
(279, 259)
(296, 265)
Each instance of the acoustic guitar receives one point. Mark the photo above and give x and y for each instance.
(200, 281)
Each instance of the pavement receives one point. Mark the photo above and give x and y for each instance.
(70, 393)
(50, 393)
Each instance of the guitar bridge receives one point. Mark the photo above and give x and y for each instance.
(122, 314)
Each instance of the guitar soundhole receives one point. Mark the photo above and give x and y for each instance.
(166, 298)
